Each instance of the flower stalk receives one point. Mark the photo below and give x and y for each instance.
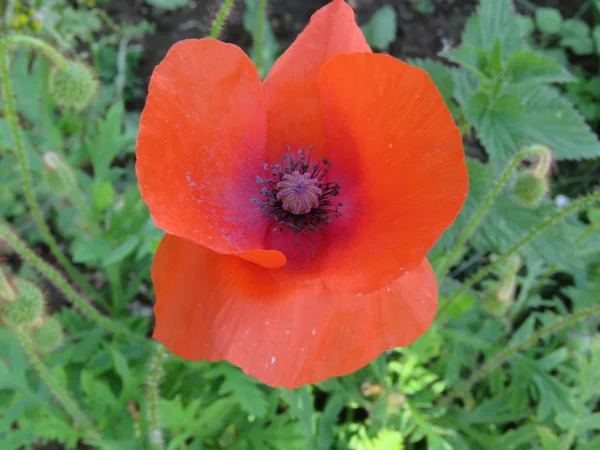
(155, 374)
(582, 202)
(221, 18)
(59, 392)
(504, 355)
(57, 279)
(11, 117)
(476, 219)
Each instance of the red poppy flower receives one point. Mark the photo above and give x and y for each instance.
(299, 210)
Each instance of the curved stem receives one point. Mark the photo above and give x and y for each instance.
(258, 35)
(155, 435)
(504, 355)
(11, 117)
(46, 49)
(220, 19)
(57, 279)
(59, 392)
(515, 248)
(476, 219)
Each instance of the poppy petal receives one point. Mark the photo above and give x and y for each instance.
(283, 329)
(294, 115)
(400, 163)
(201, 146)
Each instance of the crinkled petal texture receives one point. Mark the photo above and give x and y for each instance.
(201, 146)
(285, 331)
(291, 88)
(399, 159)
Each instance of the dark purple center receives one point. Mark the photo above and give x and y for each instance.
(297, 196)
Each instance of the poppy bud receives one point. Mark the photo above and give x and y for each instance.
(494, 306)
(529, 190)
(8, 293)
(27, 309)
(49, 337)
(532, 184)
(73, 87)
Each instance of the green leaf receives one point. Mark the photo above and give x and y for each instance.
(576, 36)
(548, 439)
(498, 122)
(243, 389)
(122, 251)
(529, 67)
(440, 75)
(548, 20)
(380, 30)
(494, 20)
(270, 47)
(596, 37)
(552, 120)
(168, 5)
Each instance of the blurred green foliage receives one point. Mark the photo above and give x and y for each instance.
(523, 376)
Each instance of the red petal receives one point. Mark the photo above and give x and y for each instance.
(294, 115)
(201, 146)
(399, 158)
(284, 329)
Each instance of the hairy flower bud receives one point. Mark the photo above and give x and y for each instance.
(494, 306)
(8, 291)
(27, 309)
(530, 190)
(73, 87)
(49, 337)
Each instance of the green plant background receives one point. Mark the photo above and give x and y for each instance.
(513, 358)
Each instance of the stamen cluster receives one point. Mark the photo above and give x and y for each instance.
(297, 195)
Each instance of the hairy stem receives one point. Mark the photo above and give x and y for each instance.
(504, 355)
(517, 247)
(59, 392)
(476, 219)
(57, 279)
(220, 19)
(11, 117)
(155, 373)
(46, 49)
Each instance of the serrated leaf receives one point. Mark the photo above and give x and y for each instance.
(380, 30)
(529, 67)
(548, 438)
(494, 20)
(243, 389)
(507, 222)
(498, 122)
(440, 75)
(552, 120)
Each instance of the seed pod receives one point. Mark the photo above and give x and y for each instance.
(530, 190)
(49, 337)
(27, 309)
(73, 87)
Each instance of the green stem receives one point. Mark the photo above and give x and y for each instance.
(515, 248)
(258, 35)
(58, 391)
(56, 278)
(11, 117)
(504, 355)
(476, 219)
(155, 373)
(220, 19)
(46, 49)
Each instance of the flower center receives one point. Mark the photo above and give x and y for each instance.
(297, 196)
(298, 192)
